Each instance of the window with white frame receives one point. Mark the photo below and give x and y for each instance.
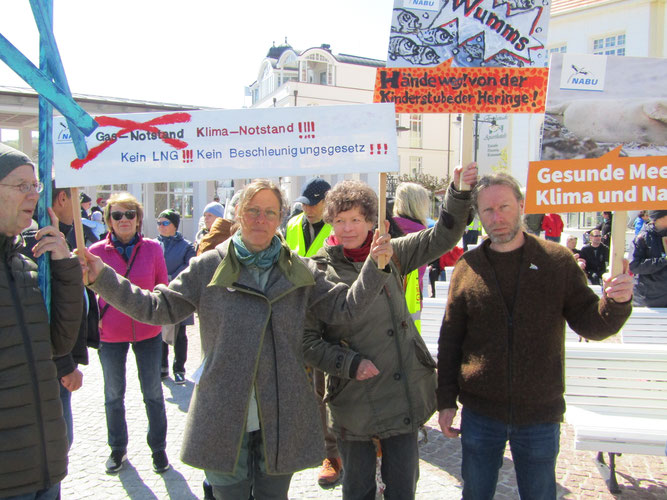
(415, 165)
(177, 196)
(317, 68)
(415, 131)
(611, 45)
(106, 190)
(558, 48)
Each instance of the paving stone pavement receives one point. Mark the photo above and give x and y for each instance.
(579, 477)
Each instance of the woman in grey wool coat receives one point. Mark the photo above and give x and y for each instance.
(253, 420)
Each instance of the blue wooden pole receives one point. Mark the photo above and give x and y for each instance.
(53, 66)
(51, 84)
(45, 155)
(45, 86)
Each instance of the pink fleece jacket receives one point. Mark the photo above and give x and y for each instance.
(149, 269)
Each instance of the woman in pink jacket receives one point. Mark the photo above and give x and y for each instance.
(141, 260)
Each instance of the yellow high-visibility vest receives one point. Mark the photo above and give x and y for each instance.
(474, 225)
(413, 297)
(296, 241)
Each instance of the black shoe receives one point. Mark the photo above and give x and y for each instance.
(115, 461)
(208, 491)
(179, 378)
(160, 462)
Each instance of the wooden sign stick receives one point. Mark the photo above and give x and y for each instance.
(382, 212)
(78, 226)
(617, 247)
(467, 144)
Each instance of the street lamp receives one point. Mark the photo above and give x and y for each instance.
(493, 127)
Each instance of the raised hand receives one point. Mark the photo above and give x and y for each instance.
(50, 239)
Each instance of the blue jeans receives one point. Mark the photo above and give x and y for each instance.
(66, 400)
(553, 238)
(51, 493)
(534, 452)
(148, 354)
(400, 467)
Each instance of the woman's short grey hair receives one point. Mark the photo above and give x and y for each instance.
(257, 185)
(412, 200)
(497, 179)
(347, 195)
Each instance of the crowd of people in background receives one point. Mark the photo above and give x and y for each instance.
(330, 293)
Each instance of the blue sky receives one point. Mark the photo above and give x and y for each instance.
(201, 52)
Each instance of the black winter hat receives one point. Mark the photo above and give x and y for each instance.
(172, 216)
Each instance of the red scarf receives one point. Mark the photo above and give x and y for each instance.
(355, 254)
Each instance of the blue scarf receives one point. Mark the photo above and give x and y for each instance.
(124, 249)
(263, 259)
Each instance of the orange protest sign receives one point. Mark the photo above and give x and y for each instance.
(597, 184)
(448, 89)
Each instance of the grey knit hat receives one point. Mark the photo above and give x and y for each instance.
(11, 159)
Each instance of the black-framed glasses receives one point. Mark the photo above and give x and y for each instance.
(596, 235)
(163, 223)
(26, 187)
(129, 215)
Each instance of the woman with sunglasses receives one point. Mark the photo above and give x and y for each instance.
(141, 260)
(253, 420)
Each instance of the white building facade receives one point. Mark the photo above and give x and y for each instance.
(427, 143)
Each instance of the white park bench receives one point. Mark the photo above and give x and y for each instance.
(616, 398)
(646, 325)
(433, 311)
(441, 289)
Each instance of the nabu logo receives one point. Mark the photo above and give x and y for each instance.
(581, 76)
(64, 135)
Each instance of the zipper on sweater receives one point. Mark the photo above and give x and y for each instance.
(510, 332)
(27, 345)
(510, 343)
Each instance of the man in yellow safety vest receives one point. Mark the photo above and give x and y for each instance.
(306, 233)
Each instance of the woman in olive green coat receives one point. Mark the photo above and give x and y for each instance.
(382, 377)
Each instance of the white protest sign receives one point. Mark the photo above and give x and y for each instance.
(248, 143)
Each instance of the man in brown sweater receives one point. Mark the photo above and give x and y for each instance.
(501, 346)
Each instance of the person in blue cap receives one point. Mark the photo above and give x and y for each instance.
(305, 234)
